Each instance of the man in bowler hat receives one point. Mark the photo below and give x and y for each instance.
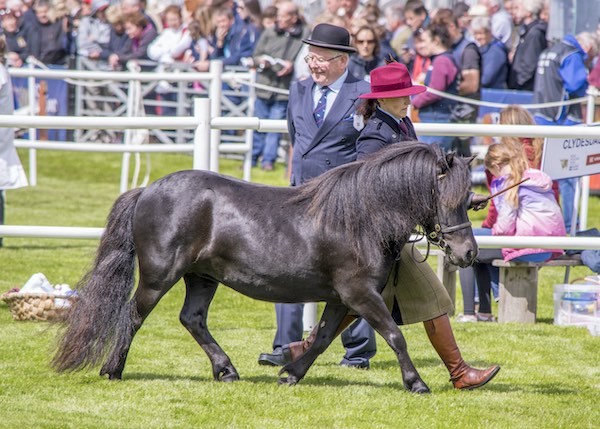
(323, 130)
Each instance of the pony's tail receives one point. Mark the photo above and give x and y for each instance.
(102, 315)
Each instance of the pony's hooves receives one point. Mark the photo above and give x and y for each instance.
(227, 375)
(229, 378)
(420, 388)
(111, 375)
(114, 377)
(289, 380)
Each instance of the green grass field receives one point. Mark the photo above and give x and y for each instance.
(550, 375)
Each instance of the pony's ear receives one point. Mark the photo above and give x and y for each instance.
(444, 160)
(470, 159)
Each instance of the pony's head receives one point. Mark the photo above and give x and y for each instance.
(447, 224)
(378, 201)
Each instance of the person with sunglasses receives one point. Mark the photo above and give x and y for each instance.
(368, 55)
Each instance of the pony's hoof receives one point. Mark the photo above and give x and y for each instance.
(112, 375)
(290, 380)
(227, 376)
(419, 387)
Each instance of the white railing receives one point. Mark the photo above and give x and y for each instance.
(215, 76)
(488, 242)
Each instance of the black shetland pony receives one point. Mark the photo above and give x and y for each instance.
(334, 239)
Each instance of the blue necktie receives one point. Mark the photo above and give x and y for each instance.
(319, 113)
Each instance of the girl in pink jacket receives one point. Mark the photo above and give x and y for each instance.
(528, 209)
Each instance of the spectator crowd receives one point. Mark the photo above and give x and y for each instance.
(462, 50)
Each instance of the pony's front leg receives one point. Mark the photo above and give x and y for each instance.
(370, 305)
(332, 317)
(199, 294)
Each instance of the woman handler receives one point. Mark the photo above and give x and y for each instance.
(421, 297)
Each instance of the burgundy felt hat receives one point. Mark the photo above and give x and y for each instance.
(391, 81)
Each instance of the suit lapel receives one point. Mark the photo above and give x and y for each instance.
(341, 108)
(306, 100)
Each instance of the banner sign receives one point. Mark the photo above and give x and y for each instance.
(571, 157)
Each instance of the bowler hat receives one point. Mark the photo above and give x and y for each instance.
(330, 37)
(391, 81)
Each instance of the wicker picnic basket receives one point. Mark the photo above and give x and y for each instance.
(37, 306)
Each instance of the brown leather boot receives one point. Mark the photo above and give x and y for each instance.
(462, 375)
(297, 348)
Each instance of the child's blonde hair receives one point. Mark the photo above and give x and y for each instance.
(516, 115)
(511, 154)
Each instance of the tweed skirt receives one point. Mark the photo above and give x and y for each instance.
(415, 289)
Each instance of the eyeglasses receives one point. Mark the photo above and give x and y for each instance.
(320, 60)
(368, 42)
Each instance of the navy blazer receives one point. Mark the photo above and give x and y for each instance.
(317, 150)
(382, 130)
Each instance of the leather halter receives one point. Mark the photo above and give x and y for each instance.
(441, 227)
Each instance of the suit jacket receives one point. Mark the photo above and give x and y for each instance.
(380, 131)
(317, 150)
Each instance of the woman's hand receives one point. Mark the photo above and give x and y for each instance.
(477, 201)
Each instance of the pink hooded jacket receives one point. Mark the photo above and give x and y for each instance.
(538, 213)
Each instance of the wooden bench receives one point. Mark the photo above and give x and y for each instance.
(518, 287)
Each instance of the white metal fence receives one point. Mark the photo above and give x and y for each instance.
(212, 80)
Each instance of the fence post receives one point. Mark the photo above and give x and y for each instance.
(32, 131)
(78, 100)
(132, 98)
(202, 135)
(585, 180)
(249, 134)
(215, 94)
(309, 316)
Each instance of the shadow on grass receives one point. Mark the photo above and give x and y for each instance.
(334, 380)
(330, 381)
(338, 380)
(147, 376)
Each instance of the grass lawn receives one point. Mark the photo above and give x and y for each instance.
(550, 375)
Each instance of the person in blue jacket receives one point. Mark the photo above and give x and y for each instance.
(494, 54)
(561, 75)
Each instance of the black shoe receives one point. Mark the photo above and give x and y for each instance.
(277, 358)
(363, 364)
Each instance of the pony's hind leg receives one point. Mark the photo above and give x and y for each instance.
(330, 321)
(142, 303)
(370, 306)
(200, 291)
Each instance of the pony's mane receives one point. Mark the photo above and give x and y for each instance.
(379, 200)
